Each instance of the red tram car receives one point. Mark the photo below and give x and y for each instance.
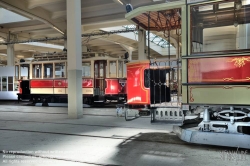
(103, 79)
(210, 42)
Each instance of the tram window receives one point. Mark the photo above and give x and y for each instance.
(24, 69)
(59, 70)
(101, 70)
(86, 69)
(146, 78)
(36, 71)
(220, 26)
(120, 69)
(10, 83)
(48, 70)
(0, 84)
(124, 70)
(112, 69)
(96, 70)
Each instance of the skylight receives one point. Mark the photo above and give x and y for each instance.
(153, 38)
(7, 16)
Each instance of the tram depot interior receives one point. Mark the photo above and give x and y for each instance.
(85, 46)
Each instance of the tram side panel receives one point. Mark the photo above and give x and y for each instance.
(116, 89)
(39, 88)
(137, 93)
(226, 80)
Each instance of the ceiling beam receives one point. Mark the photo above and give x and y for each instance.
(36, 3)
(29, 28)
(38, 14)
(96, 8)
(102, 19)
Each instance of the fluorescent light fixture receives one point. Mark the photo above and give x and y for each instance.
(58, 30)
(3, 54)
(2, 39)
(44, 45)
(32, 50)
(120, 2)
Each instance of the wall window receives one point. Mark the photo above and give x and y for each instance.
(4, 83)
(10, 83)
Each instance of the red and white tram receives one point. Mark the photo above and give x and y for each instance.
(103, 78)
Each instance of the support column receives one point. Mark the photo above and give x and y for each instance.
(74, 53)
(142, 45)
(10, 55)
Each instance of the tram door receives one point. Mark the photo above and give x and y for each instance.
(100, 74)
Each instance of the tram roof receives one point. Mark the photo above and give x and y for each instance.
(160, 17)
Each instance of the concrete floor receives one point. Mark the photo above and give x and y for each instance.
(38, 136)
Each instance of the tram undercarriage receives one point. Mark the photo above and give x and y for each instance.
(224, 126)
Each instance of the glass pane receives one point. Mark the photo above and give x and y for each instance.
(101, 70)
(37, 71)
(4, 80)
(4, 87)
(0, 83)
(124, 70)
(120, 68)
(59, 70)
(48, 70)
(112, 69)
(10, 87)
(10, 80)
(4, 83)
(86, 69)
(220, 26)
(24, 69)
(16, 73)
(96, 70)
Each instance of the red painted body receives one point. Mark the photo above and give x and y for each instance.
(114, 87)
(220, 69)
(87, 83)
(136, 91)
(60, 83)
(42, 83)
